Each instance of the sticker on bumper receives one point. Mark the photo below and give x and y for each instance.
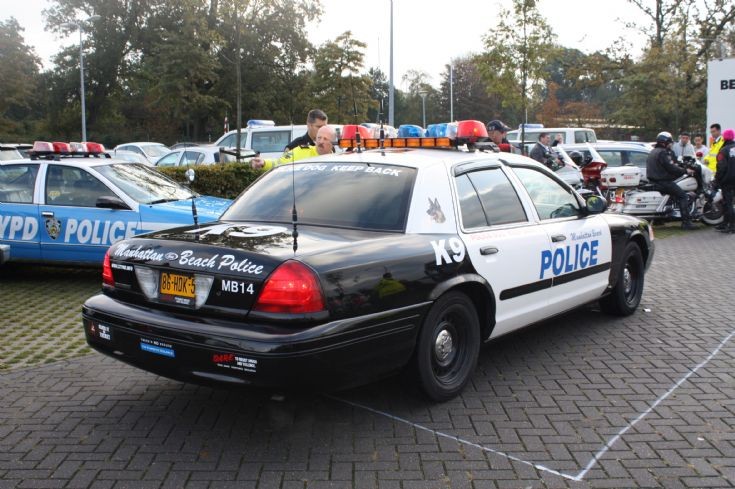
(157, 347)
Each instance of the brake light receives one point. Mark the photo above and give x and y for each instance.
(292, 288)
(107, 271)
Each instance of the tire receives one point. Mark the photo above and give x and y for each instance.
(626, 295)
(448, 347)
(712, 214)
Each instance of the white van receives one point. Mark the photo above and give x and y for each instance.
(270, 141)
(570, 135)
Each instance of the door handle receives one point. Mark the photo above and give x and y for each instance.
(47, 214)
(557, 238)
(488, 250)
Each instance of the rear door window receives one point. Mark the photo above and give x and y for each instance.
(611, 157)
(170, 159)
(637, 158)
(17, 183)
(585, 136)
(488, 198)
(270, 141)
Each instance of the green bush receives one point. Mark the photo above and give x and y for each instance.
(226, 180)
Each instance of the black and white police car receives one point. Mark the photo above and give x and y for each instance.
(410, 255)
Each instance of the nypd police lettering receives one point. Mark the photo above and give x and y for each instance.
(442, 255)
(566, 259)
(85, 231)
(18, 227)
(98, 232)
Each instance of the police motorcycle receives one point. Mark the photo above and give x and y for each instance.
(561, 163)
(591, 167)
(647, 202)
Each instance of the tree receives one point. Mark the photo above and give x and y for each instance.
(513, 69)
(379, 94)
(471, 97)
(666, 88)
(19, 80)
(337, 85)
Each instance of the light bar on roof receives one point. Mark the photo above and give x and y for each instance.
(398, 143)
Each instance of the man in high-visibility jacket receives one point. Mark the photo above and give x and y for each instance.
(324, 145)
(711, 159)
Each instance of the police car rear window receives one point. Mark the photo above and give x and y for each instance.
(360, 196)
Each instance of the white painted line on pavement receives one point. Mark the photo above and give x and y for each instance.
(658, 401)
(456, 438)
(595, 459)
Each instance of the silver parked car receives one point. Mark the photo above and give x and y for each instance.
(616, 153)
(151, 151)
(194, 155)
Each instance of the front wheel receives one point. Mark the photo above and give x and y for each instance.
(448, 347)
(712, 214)
(628, 289)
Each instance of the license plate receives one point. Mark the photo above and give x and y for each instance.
(177, 285)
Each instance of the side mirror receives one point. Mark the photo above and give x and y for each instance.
(111, 202)
(190, 175)
(595, 204)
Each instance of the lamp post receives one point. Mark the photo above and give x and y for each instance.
(451, 93)
(391, 102)
(423, 94)
(80, 25)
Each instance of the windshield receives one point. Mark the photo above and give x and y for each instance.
(354, 195)
(143, 184)
(155, 150)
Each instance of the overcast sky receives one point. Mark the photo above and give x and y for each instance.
(427, 33)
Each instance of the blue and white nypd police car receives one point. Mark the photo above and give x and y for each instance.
(342, 268)
(67, 205)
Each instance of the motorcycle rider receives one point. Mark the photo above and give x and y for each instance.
(662, 172)
(725, 179)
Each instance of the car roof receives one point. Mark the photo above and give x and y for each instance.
(141, 143)
(610, 145)
(78, 161)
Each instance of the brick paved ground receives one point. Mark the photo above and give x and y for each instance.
(549, 398)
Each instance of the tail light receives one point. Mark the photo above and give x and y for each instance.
(292, 288)
(107, 271)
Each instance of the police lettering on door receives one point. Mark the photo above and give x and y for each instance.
(81, 231)
(566, 259)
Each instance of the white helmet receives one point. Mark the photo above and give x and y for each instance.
(664, 137)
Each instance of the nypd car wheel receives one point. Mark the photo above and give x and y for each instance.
(626, 294)
(448, 347)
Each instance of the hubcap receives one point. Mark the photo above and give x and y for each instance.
(444, 347)
(627, 281)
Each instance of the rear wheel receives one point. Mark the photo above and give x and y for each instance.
(448, 347)
(626, 295)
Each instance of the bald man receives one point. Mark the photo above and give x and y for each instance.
(325, 137)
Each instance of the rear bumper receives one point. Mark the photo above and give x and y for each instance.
(202, 350)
